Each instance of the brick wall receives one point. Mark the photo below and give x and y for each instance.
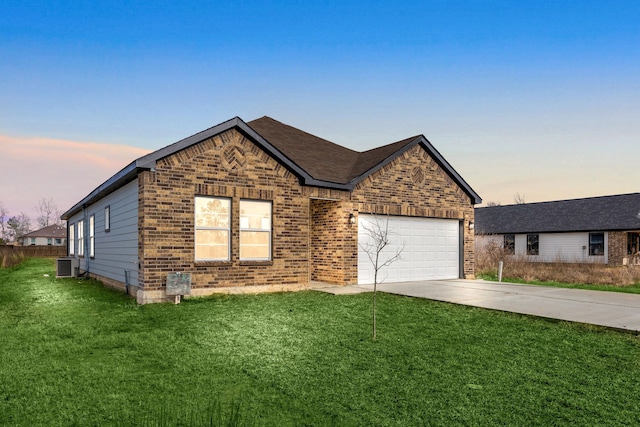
(227, 165)
(334, 242)
(617, 247)
(312, 238)
(415, 185)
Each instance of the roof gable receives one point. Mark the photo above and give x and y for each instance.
(617, 212)
(315, 161)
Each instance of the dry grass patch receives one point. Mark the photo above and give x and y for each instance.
(10, 257)
(519, 267)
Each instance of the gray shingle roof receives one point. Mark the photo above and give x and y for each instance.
(323, 159)
(606, 213)
(51, 231)
(315, 161)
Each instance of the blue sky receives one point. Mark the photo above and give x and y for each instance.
(539, 98)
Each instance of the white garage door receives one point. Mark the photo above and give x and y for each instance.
(431, 249)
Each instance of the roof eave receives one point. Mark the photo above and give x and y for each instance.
(124, 176)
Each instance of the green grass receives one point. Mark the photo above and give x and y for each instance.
(75, 353)
(628, 289)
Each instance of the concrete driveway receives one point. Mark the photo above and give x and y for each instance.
(610, 309)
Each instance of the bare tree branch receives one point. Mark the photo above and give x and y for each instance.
(379, 240)
(48, 213)
(518, 199)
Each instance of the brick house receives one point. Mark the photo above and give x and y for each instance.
(263, 206)
(602, 230)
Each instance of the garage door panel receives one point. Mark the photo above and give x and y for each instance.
(431, 249)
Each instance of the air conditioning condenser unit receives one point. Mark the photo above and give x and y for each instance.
(67, 267)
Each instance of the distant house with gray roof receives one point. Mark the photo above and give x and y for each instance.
(596, 229)
(52, 235)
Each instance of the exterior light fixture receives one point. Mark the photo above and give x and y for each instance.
(471, 225)
(352, 219)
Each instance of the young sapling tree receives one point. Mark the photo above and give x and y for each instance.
(379, 240)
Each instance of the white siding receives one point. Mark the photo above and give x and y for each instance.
(116, 250)
(561, 247)
(44, 241)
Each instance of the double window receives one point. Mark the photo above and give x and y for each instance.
(213, 229)
(596, 244)
(533, 244)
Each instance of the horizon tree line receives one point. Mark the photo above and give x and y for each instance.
(14, 226)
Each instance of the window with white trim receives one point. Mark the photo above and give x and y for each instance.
(81, 238)
(255, 230)
(92, 236)
(212, 228)
(107, 218)
(72, 239)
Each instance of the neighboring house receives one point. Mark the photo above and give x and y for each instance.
(262, 206)
(596, 229)
(52, 235)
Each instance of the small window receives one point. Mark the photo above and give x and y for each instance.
(81, 238)
(33, 241)
(92, 236)
(596, 244)
(49, 241)
(58, 241)
(509, 244)
(107, 218)
(72, 239)
(255, 230)
(212, 228)
(532, 244)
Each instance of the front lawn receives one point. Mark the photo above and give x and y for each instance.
(75, 353)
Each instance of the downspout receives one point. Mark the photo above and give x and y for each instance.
(461, 250)
(309, 240)
(85, 240)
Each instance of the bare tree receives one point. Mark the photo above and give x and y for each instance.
(518, 199)
(374, 247)
(18, 226)
(48, 213)
(4, 216)
(489, 204)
